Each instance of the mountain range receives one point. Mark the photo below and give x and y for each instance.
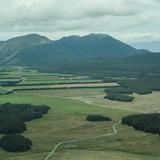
(93, 54)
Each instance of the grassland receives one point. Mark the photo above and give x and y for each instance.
(59, 86)
(66, 120)
(141, 103)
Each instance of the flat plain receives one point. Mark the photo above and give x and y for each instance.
(66, 120)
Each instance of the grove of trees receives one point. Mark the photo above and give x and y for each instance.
(119, 97)
(12, 122)
(13, 116)
(119, 90)
(149, 123)
(97, 118)
(15, 143)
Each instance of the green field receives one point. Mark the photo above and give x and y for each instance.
(66, 120)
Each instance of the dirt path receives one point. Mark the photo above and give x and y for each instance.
(115, 131)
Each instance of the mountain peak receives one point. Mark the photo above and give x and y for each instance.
(97, 35)
(91, 35)
(70, 37)
(13, 46)
(30, 36)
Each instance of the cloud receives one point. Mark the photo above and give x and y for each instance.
(58, 18)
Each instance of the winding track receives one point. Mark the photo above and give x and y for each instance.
(115, 131)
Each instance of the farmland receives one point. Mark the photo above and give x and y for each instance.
(66, 119)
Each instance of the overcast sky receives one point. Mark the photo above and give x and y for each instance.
(127, 20)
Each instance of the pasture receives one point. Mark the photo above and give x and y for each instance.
(66, 120)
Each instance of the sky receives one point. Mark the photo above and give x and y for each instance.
(128, 20)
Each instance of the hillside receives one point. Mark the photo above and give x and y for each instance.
(1, 42)
(143, 65)
(11, 47)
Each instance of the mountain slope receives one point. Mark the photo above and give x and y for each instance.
(11, 47)
(143, 65)
(73, 49)
(1, 42)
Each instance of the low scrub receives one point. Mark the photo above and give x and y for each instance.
(119, 97)
(97, 118)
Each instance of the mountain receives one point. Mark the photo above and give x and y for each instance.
(93, 54)
(73, 49)
(94, 45)
(153, 46)
(1, 42)
(11, 47)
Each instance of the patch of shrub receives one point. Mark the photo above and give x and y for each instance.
(10, 83)
(142, 91)
(119, 97)
(149, 123)
(97, 118)
(108, 80)
(15, 143)
(118, 90)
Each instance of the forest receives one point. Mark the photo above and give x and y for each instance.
(12, 122)
(149, 123)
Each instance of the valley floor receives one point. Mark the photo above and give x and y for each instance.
(66, 120)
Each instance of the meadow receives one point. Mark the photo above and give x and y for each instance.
(66, 120)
